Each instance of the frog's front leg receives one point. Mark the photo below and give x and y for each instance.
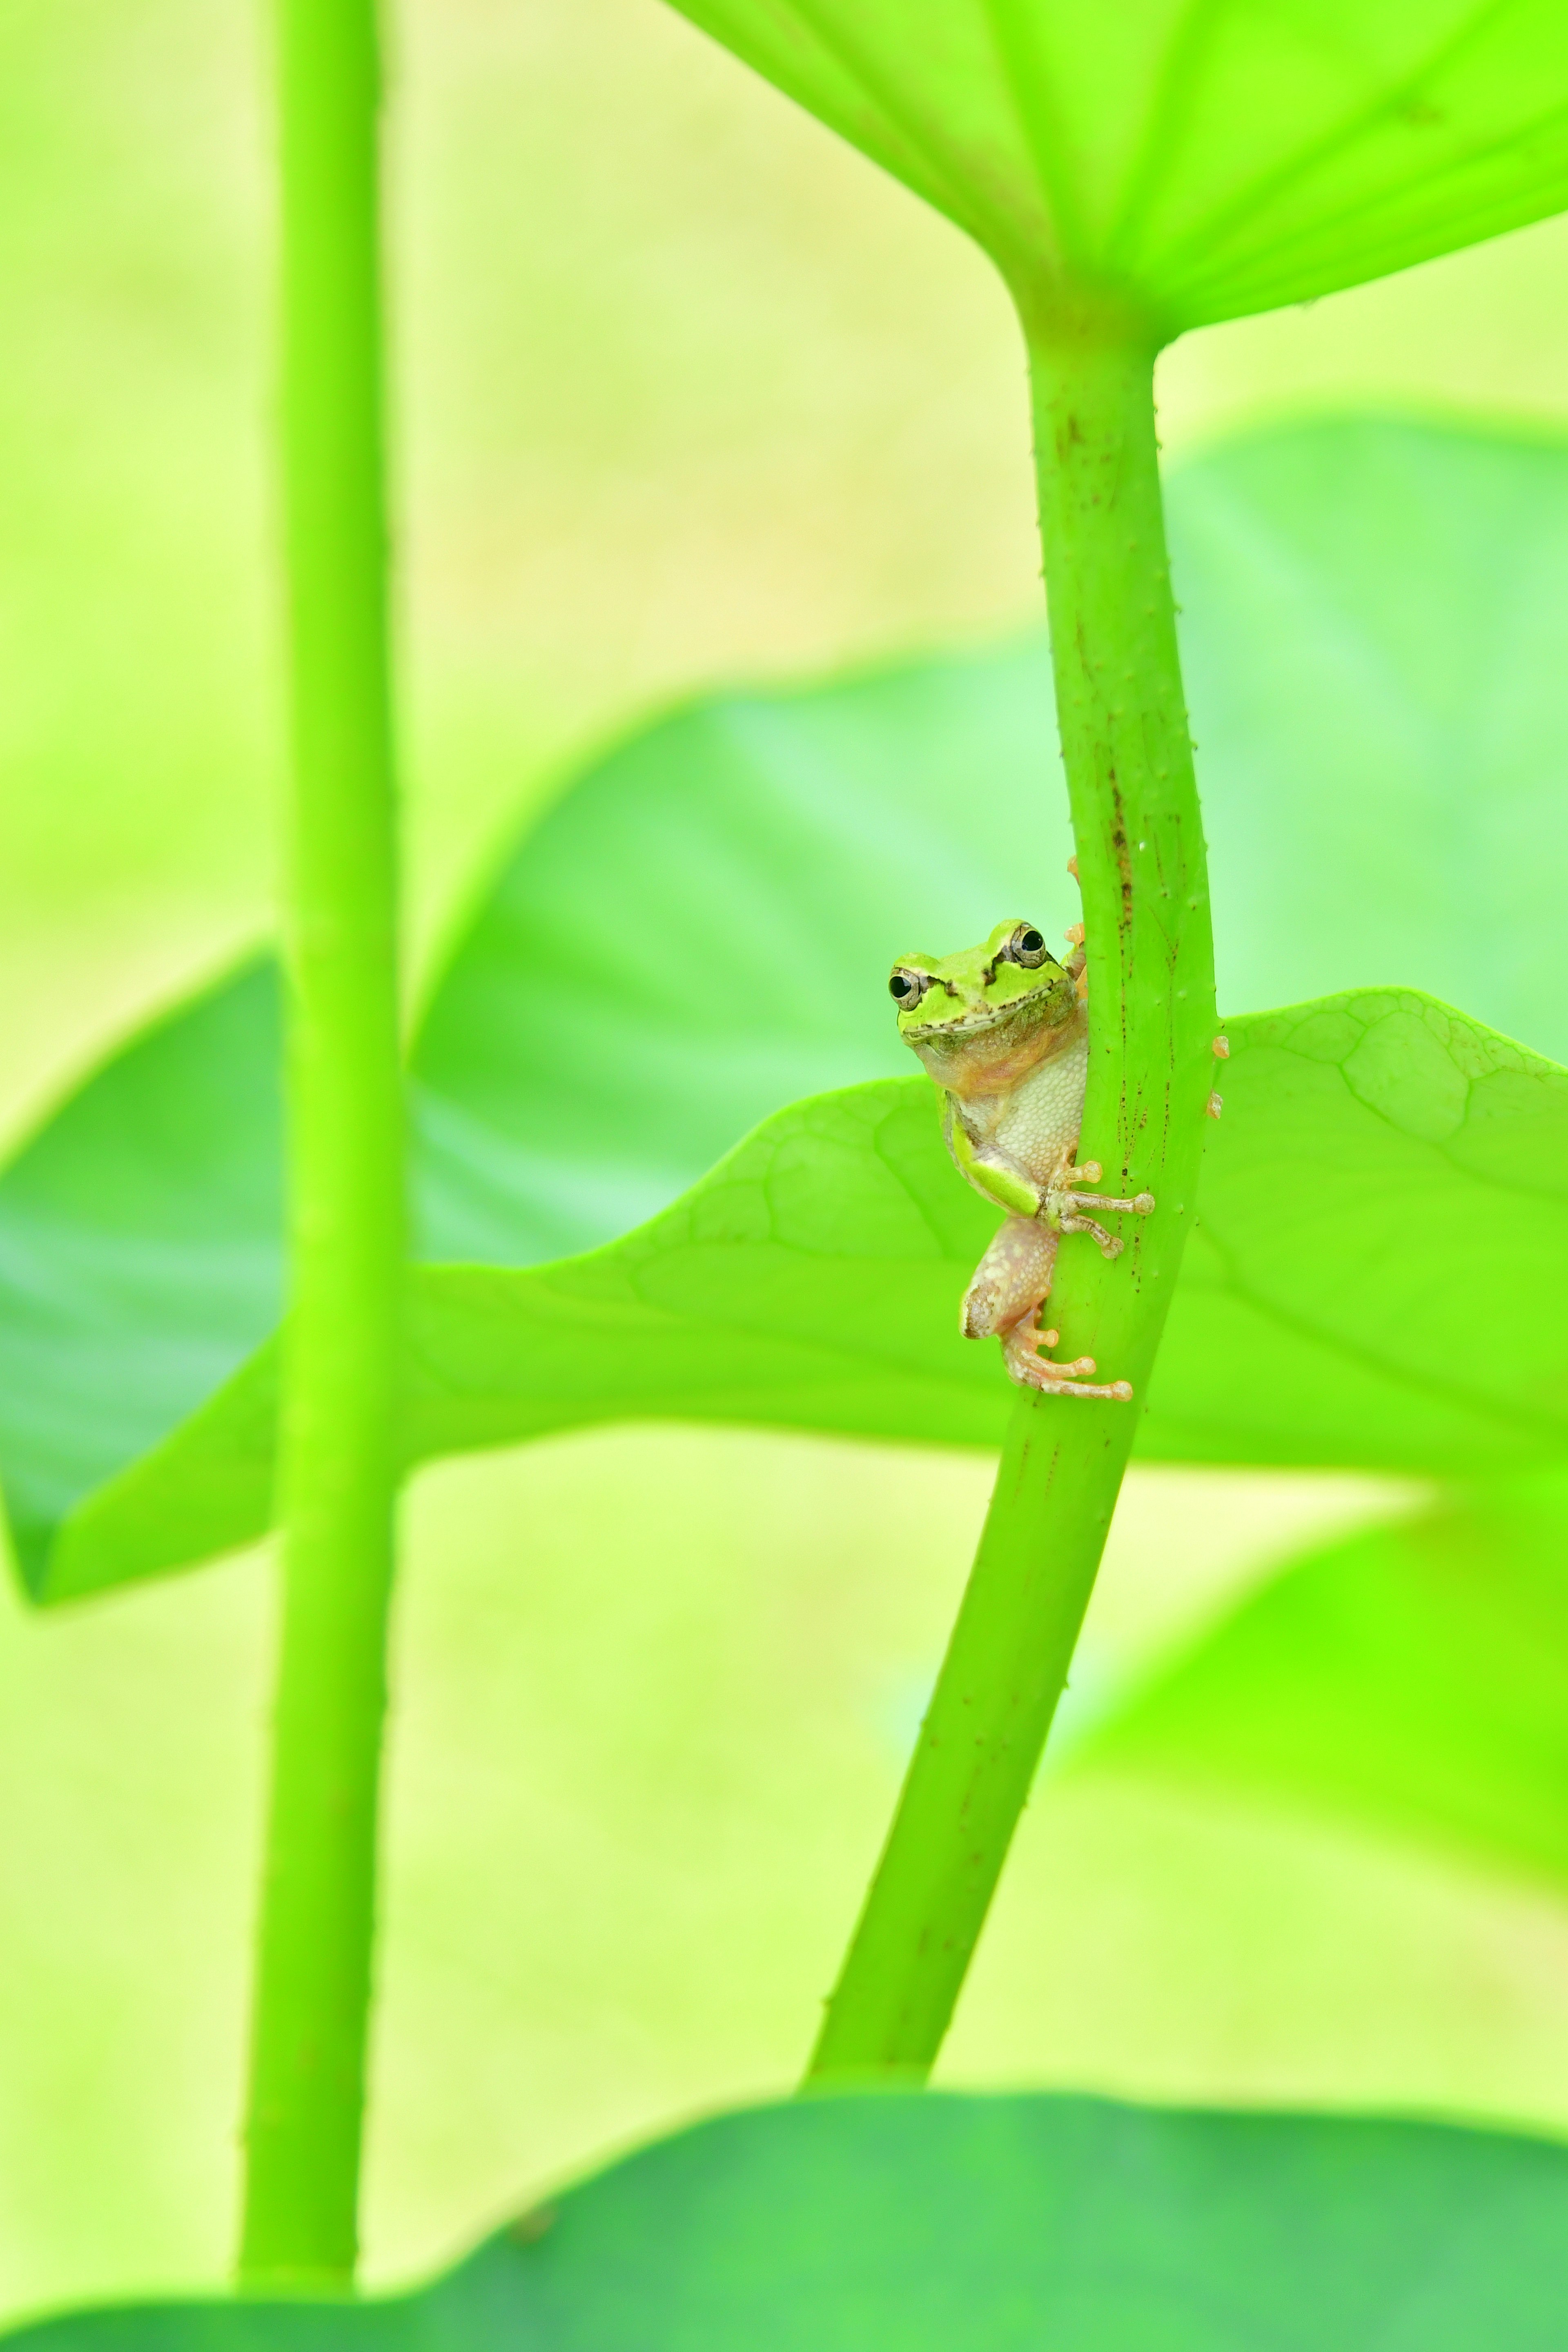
(1064, 1204)
(1011, 1282)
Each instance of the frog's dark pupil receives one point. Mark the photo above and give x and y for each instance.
(1030, 941)
(900, 985)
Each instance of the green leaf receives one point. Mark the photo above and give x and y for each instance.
(1374, 623)
(942, 2223)
(140, 1258)
(699, 931)
(812, 1281)
(1415, 1677)
(1209, 160)
(1381, 1159)
(1372, 642)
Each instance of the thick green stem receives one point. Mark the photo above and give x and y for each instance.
(338, 1462)
(1151, 979)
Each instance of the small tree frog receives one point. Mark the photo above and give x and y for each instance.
(1004, 1031)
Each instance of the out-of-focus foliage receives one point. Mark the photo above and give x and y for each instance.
(1372, 614)
(1372, 631)
(943, 2224)
(1414, 1676)
(142, 1252)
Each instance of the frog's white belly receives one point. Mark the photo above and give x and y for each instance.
(1037, 1121)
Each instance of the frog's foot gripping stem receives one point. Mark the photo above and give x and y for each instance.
(1021, 1345)
(1064, 1206)
(1003, 1302)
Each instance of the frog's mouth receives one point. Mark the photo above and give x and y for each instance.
(976, 1019)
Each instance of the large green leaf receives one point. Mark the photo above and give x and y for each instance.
(812, 1279)
(1372, 642)
(935, 2224)
(699, 931)
(1372, 633)
(1211, 160)
(1415, 1676)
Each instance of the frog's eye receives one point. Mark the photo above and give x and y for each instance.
(1027, 947)
(906, 988)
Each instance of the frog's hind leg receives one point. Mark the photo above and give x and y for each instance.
(1004, 1301)
(1010, 1280)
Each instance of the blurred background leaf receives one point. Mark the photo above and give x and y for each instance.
(948, 2224)
(1372, 618)
(140, 1249)
(1374, 615)
(1415, 1676)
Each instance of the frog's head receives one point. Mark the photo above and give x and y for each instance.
(985, 1009)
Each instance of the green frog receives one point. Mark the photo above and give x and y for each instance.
(1004, 1031)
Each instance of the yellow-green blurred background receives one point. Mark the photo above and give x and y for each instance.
(684, 394)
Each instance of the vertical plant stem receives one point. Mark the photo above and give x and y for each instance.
(338, 1449)
(1135, 815)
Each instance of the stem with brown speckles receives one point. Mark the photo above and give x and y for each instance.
(1151, 978)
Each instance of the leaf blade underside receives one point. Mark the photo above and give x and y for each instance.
(1202, 160)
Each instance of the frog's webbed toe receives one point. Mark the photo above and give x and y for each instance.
(1020, 1347)
(1065, 1203)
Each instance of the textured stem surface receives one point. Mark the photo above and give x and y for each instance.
(1135, 816)
(338, 1461)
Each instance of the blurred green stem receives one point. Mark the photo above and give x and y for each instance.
(338, 1462)
(1141, 857)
